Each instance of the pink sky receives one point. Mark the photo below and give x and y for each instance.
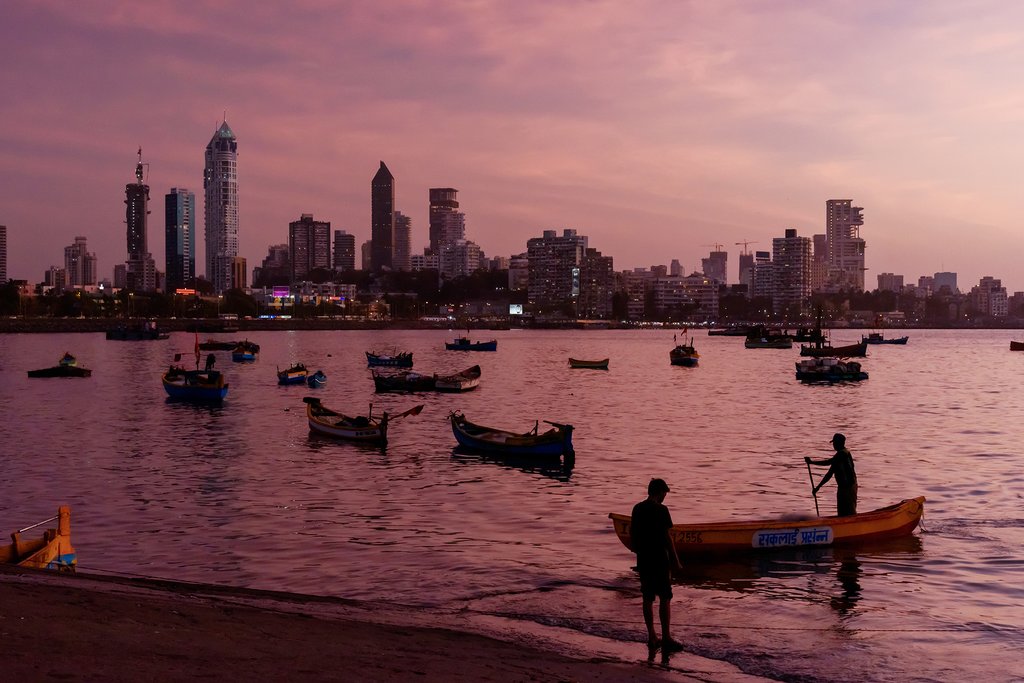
(656, 128)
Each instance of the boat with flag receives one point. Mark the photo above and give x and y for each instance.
(684, 354)
(364, 429)
(52, 551)
(714, 538)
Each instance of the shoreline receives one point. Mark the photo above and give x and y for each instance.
(118, 629)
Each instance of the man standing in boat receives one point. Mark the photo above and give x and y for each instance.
(656, 558)
(840, 465)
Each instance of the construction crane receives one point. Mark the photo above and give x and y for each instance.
(745, 243)
(716, 245)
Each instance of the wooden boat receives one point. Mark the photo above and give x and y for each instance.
(588, 364)
(317, 379)
(144, 331)
(395, 360)
(878, 338)
(245, 352)
(194, 385)
(402, 381)
(684, 354)
(296, 374)
(810, 334)
(552, 443)
(215, 345)
(761, 337)
(466, 380)
(67, 366)
(1016, 346)
(52, 551)
(695, 540)
(858, 350)
(464, 344)
(829, 370)
(368, 429)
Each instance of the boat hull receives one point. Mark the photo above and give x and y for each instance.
(578, 364)
(197, 386)
(849, 351)
(881, 340)
(317, 379)
(693, 540)
(552, 443)
(401, 360)
(1016, 346)
(53, 551)
(61, 371)
(327, 422)
(466, 380)
(466, 345)
(243, 356)
(768, 344)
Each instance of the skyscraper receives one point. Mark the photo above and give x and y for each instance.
(309, 245)
(180, 237)
(791, 258)
(141, 269)
(844, 246)
(716, 266)
(382, 219)
(443, 202)
(79, 264)
(402, 259)
(344, 251)
(220, 183)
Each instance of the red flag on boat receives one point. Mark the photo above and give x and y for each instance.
(197, 348)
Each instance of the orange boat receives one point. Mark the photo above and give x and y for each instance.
(730, 537)
(52, 551)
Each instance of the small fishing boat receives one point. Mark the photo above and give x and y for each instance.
(217, 345)
(194, 385)
(317, 379)
(684, 354)
(741, 331)
(464, 344)
(393, 360)
(551, 443)
(245, 352)
(829, 370)
(588, 364)
(466, 380)
(296, 374)
(52, 551)
(878, 338)
(402, 381)
(858, 350)
(762, 337)
(694, 540)
(1016, 346)
(368, 429)
(67, 366)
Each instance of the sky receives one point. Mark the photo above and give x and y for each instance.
(659, 129)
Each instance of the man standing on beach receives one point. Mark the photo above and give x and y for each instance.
(840, 465)
(656, 558)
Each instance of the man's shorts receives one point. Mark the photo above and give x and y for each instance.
(655, 582)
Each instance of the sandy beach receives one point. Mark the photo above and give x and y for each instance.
(91, 628)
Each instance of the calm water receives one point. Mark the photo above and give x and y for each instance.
(242, 494)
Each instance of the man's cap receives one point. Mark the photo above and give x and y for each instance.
(657, 486)
(841, 438)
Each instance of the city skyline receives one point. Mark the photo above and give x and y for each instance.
(660, 131)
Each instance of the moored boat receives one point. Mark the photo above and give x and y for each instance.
(245, 351)
(828, 369)
(588, 364)
(1016, 346)
(858, 350)
(364, 429)
(684, 354)
(466, 380)
(392, 360)
(464, 344)
(317, 379)
(551, 443)
(762, 337)
(218, 345)
(879, 338)
(402, 381)
(52, 551)
(67, 366)
(194, 385)
(296, 374)
(713, 538)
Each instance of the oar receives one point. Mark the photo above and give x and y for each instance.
(813, 492)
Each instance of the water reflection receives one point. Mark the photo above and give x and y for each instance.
(319, 442)
(552, 467)
(848, 575)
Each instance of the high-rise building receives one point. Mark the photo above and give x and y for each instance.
(403, 242)
(275, 269)
(309, 244)
(220, 184)
(890, 282)
(382, 219)
(238, 272)
(366, 254)
(947, 280)
(180, 238)
(791, 257)
(716, 266)
(747, 271)
(3, 254)
(79, 264)
(55, 277)
(344, 251)
(443, 202)
(763, 277)
(844, 246)
(561, 268)
(141, 269)
(675, 268)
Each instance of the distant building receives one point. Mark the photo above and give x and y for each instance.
(402, 259)
(716, 266)
(309, 246)
(747, 271)
(926, 283)
(791, 258)
(382, 219)
(141, 268)
(498, 263)
(425, 261)
(945, 280)
(79, 264)
(844, 245)
(120, 276)
(344, 251)
(989, 297)
(276, 268)
(763, 278)
(675, 268)
(519, 273)
(179, 237)
(561, 268)
(56, 278)
(443, 203)
(220, 184)
(238, 273)
(366, 255)
(888, 282)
